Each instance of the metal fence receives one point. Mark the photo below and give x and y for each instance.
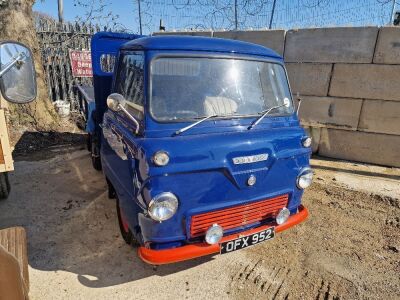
(55, 40)
(261, 14)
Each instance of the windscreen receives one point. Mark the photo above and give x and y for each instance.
(192, 88)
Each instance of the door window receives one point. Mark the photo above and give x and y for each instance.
(130, 81)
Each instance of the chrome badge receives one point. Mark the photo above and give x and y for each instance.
(250, 159)
(252, 180)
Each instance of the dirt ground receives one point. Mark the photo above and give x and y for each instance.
(347, 249)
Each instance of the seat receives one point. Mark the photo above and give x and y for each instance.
(219, 106)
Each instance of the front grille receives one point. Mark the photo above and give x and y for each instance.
(238, 216)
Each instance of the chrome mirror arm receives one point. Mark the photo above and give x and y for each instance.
(117, 102)
(11, 64)
(132, 118)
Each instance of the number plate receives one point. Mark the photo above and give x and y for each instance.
(247, 241)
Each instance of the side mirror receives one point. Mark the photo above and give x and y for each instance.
(116, 102)
(17, 73)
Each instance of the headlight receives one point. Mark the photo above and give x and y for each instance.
(214, 234)
(306, 142)
(282, 216)
(161, 158)
(163, 206)
(305, 178)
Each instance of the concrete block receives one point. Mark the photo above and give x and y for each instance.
(380, 116)
(342, 113)
(388, 46)
(315, 134)
(333, 45)
(375, 148)
(309, 78)
(366, 81)
(274, 39)
(192, 33)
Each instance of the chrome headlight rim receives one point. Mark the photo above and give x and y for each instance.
(156, 200)
(303, 172)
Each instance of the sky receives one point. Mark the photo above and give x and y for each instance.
(123, 8)
(197, 14)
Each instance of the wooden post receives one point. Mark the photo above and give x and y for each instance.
(6, 160)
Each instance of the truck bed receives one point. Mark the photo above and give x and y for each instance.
(87, 105)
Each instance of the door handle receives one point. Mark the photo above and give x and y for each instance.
(119, 136)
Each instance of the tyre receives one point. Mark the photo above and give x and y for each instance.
(96, 161)
(89, 142)
(126, 233)
(111, 191)
(5, 187)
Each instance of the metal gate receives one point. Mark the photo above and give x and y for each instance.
(55, 41)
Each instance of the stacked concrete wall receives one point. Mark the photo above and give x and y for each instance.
(349, 82)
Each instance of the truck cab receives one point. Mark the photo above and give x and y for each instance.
(199, 142)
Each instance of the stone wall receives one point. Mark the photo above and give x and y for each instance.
(348, 80)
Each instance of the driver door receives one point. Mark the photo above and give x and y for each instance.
(119, 142)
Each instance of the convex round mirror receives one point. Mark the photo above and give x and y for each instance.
(17, 73)
(116, 102)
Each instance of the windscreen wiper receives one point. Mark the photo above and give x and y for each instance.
(286, 103)
(194, 124)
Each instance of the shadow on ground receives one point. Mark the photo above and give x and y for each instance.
(46, 144)
(336, 168)
(71, 224)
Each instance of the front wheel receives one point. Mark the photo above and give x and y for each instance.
(126, 233)
(89, 142)
(5, 187)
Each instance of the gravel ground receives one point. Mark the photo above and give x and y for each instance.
(347, 249)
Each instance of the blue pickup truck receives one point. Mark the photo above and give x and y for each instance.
(199, 142)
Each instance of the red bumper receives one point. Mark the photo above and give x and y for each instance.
(167, 256)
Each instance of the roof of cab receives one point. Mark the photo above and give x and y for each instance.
(197, 43)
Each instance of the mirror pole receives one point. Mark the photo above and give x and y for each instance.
(10, 65)
(298, 104)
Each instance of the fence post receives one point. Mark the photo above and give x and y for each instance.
(272, 15)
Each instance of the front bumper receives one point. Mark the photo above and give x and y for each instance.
(167, 256)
